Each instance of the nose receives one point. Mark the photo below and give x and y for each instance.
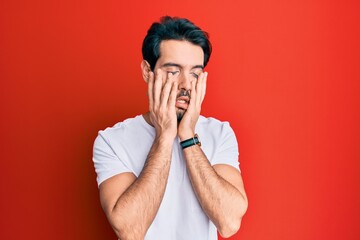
(185, 82)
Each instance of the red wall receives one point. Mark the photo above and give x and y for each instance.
(286, 74)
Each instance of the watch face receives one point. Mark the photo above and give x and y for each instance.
(197, 140)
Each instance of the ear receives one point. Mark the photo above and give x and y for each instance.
(145, 70)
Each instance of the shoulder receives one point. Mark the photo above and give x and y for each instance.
(123, 124)
(130, 126)
(213, 125)
(211, 120)
(218, 141)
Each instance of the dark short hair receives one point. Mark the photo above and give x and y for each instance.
(173, 28)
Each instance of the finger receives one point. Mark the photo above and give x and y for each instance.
(166, 90)
(173, 95)
(157, 88)
(199, 88)
(203, 89)
(192, 102)
(150, 90)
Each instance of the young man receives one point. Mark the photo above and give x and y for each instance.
(157, 179)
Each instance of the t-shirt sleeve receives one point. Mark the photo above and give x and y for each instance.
(227, 151)
(106, 162)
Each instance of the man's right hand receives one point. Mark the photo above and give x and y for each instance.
(125, 196)
(162, 91)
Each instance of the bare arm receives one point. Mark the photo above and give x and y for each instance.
(131, 212)
(131, 204)
(219, 190)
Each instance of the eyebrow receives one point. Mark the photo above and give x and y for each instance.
(170, 64)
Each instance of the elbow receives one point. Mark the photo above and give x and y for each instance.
(126, 231)
(232, 226)
(243, 208)
(229, 230)
(127, 234)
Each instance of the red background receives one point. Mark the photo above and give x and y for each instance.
(286, 74)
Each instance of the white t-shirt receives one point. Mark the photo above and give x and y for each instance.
(124, 148)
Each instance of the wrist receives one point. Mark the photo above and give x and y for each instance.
(186, 135)
(165, 138)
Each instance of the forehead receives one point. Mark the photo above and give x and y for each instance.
(180, 52)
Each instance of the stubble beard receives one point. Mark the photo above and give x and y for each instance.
(180, 114)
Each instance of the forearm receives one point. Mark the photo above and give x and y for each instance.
(222, 202)
(135, 210)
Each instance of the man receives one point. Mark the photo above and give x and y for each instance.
(157, 179)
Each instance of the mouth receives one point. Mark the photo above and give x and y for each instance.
(182, 102)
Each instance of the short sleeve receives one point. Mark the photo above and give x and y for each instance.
(227, 149)
(106, 162)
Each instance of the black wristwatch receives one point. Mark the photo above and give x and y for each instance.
(190, 142)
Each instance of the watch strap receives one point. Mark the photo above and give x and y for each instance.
(190, 142)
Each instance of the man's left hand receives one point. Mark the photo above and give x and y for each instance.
(188, 122)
